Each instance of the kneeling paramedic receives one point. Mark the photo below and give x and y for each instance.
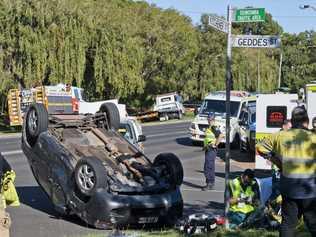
(211, 141)
(294, 152)
(8, 195)
(244, 198)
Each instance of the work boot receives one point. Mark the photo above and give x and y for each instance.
(208, 187)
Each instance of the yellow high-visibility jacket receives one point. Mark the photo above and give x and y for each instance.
(8, 191)
(296, 149)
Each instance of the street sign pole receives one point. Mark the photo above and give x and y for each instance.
(228, 87)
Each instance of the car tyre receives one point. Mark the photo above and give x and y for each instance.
(90, 175)
(36, 122)
(112, 115)
(172, 167)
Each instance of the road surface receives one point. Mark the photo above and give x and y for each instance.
(36, 217)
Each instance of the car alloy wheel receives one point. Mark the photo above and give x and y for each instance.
(86, 177)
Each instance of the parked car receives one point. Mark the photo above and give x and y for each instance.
(88, 169)
(132, 131)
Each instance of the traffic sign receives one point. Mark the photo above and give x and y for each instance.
(256, 41)
(249, 15)
(218, 23)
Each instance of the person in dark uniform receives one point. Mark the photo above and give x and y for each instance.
(212, 139)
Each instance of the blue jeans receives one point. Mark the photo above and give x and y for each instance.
(209, 166)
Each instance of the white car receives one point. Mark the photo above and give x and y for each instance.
(216, 103)
(132, 131)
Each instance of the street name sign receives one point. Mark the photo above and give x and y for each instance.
(218, 23)
(249, 15)
(256, 41)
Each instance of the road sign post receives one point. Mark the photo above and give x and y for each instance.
(249, 15)
(228, 87)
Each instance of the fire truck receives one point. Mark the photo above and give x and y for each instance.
(58, 99)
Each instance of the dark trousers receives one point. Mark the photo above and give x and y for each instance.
(293, 210)
(209, 166)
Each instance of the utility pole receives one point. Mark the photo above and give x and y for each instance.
(280, 70)
(258, 72)
(228, 87)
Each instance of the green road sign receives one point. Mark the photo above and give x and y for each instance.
(249, 15)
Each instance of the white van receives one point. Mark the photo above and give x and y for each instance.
(216, 103)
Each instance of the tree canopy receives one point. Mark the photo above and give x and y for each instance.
(133, 51)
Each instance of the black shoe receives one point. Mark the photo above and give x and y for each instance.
(208, 187)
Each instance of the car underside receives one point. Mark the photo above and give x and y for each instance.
(88, 169)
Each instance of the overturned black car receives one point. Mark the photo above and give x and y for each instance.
(88, 169)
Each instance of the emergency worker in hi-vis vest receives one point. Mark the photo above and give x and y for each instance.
(294, 152)
(212, 139)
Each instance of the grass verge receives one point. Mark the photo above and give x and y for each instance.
(220, 232)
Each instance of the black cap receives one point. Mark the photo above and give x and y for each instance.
(249, 173)
(299, 116)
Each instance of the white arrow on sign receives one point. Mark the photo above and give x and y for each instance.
(256, 41)
(218, 23)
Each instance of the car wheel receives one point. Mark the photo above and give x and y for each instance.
(172, 168)
(36, 122)
(90, 175)
(236, 142)
(112, 115)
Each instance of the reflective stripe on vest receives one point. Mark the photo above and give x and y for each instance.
(209, 137)
(299, 168)
(238, 192)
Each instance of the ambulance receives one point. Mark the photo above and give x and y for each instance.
(273, 109)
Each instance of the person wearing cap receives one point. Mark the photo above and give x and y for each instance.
(294, 152)
(286, 125)
(244, 198)
(211, 141)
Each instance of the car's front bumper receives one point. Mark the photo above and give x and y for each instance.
(105, 209)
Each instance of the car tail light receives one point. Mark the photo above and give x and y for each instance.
(75, 105)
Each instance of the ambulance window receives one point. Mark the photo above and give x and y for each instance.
(241, 115)
(76, 94)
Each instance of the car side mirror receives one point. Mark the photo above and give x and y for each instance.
(141, 138)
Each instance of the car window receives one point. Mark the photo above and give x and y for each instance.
(126, 131)
(219, 106)
(245, 118)
(76, 94)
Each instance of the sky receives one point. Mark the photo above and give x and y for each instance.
(286, 12)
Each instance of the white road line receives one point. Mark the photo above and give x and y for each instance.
(167, 133)
(10, 153)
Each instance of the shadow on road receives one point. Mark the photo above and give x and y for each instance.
(211, 207)
(184, 141)
(192, 185)
(236, 155)
(34, 197)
